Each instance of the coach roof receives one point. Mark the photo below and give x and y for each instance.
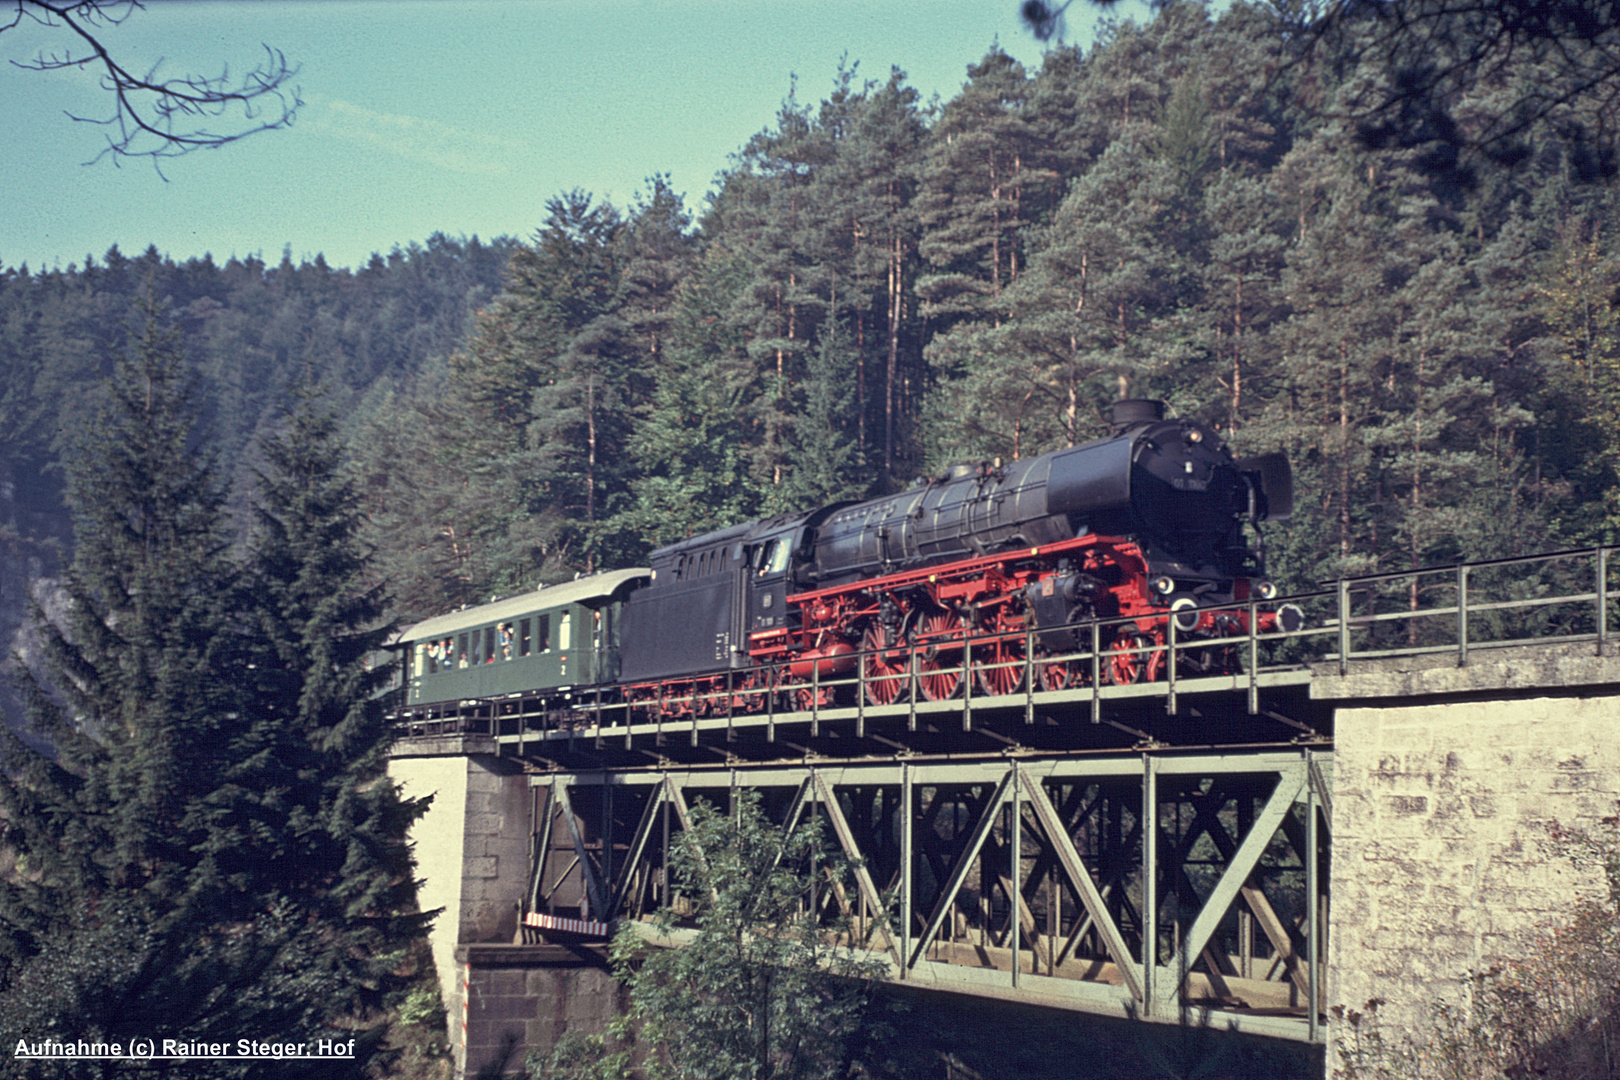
(583, 590)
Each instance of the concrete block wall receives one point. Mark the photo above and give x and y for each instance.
(1442, 813)
(472, 853)
(525, 997)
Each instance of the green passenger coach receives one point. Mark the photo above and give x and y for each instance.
(547, 641)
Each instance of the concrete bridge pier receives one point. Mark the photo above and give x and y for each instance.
(1448, 781)
(472, 855)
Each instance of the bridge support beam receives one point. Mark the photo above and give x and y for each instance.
(1164, 886)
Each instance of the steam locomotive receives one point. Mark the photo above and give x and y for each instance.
(1081, 563)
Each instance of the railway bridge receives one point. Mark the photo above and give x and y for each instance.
(1358, 809)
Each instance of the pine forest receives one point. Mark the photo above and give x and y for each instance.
(879, 285)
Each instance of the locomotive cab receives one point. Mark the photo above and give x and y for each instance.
(767, 566)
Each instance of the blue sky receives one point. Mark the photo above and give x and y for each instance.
(460, 116)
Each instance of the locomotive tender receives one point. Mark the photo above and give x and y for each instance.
(955, 579)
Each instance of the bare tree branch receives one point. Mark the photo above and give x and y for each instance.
(157, 117)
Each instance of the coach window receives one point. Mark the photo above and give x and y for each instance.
(564, 625)
(542, 635)
(461, 652)
(523, 637)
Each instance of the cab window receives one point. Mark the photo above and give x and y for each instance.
(777, 554)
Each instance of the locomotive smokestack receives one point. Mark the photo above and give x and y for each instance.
(1132, 411)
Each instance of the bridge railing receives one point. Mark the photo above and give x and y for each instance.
(1521, 600)
(1562, 595)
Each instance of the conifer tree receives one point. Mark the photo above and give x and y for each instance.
(655, 254)
(315, 820)
(1240, 283)
(1084, 323)
(1580, 354)
(828, 465)
(971, 198)
(692, 447)
(102, 931)
(207, 856)
(773, 213)
(879, 161)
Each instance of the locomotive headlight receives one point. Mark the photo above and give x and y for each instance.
(1164, 584)
(1195, 435)
(1265, 590)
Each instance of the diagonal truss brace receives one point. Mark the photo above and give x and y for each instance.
(863, 876)
(593, 877)
(1234, 881)
(964, 864)
(540, 847)
(638, 845)
(1079, 877)
(1001, 786)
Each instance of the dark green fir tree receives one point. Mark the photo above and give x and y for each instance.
(316, 825)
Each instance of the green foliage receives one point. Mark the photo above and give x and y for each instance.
(1579, 290)
(212, 851)
(316, 818)
(762, 989)
(250, 331)
(418, 1038)
(137, 657)
(605, 1056)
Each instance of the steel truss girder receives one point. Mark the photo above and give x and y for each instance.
(1086, 843)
